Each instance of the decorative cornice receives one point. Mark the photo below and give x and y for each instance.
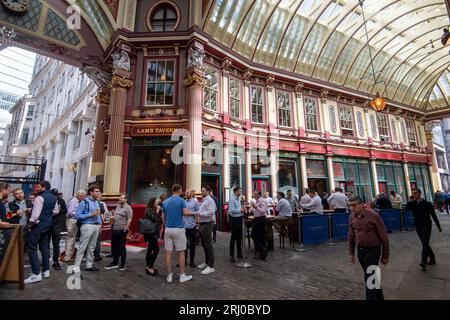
(121, 82)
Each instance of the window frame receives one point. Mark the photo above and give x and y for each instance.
(145, 82)
(353, 122)
(264, 99)
(413, 123)
(291, 108)
(219, 91)
(230, 98)
(388, 129)
(319, 128)
(156, 6)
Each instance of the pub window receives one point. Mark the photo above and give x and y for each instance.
(287, 175)
(160, 82)
(284, 109)
(311, 114)
(346, 120)
(211, 89)
(411, 131)
(257, 105)
(236, 170)
(235, 95)
(383, 127)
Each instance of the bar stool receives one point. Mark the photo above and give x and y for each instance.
(286, 231)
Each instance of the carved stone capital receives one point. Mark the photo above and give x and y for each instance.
(269, 82)
(324, 95)
(195, 57)
(226, 64)
(101, 78)
(121, 82)
(103, 97)
(247, 76)
(194, 79)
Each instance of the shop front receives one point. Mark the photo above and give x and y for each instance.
(288, 173)
(260, 171)
(151, 170)
(316, 170)
(419, 178)
(391, 177)
(354, 174)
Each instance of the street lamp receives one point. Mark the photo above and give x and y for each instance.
(379, 103)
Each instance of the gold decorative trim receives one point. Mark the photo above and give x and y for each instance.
(103, 98)
(121, 82)
(194, 79)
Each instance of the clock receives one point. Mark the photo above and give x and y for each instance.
(16, 6)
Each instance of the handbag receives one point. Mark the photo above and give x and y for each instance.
(147, 226)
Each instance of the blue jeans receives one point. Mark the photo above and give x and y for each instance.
(39, 235)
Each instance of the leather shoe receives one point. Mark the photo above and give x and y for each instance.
(56, 266)
(192, 264)
(431, 263)
(91, 269)
(232, 259)
(423, 266)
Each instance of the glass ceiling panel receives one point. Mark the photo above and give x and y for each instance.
(332, 39)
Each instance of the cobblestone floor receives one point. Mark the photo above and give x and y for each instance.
(322, 272)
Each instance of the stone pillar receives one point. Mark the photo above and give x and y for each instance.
(298, 97)
(330, 172)
(373, 166)
(98, 158)
(407, 181)
(113, 166)
(226, 162)
(69, 170)
(433, 168)
(273, 171)
(248, 169)
(195, 82)
(56, 177)
(247, 99)
(303, 172)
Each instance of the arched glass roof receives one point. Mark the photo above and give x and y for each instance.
(326, 40)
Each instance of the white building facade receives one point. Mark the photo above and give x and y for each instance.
(58, 124)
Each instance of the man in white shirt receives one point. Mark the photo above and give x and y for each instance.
(338, 201)
(305, 199)
(396, 200)
(270, 202)
(207, 217)
(315, 204)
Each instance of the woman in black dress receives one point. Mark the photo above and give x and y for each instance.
(153, 213)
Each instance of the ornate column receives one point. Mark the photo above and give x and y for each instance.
(329, 156)
(248, 169)
(434, 168)
(226, 161)
(195, 82)
(274, 149)
(225, 83)
(247, 98)
(373, 167)
(406, 173)
(69, 169)
(120, 84)
(98, 158)
(56, 177)
(303, 172)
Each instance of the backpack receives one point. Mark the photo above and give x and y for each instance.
(86, 203)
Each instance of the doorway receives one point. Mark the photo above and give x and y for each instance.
(214, 182)
(319, 185)
(261, 184)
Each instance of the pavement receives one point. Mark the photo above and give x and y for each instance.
(321, 272)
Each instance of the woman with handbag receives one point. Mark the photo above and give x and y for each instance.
(151, 226)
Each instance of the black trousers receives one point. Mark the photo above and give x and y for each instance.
(205, 231)
(55, 237)
(236, 236)
(447, 204)
(368, 257)
(118, 244)
(191, 236)
(424, 234)
(259, 236)
(152, 250)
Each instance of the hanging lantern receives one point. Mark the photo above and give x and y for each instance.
(379, 103)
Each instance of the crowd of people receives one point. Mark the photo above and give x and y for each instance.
(181, 219)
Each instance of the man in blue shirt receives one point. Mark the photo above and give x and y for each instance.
(191, 225)
(174, 209)
(236, 212)
(89, 214)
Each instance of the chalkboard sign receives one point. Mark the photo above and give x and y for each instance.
(11, 254)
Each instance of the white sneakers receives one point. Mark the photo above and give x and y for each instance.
(46, 274)
(207, 270)
(33, 278)
(185, 278)
(202, 266)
